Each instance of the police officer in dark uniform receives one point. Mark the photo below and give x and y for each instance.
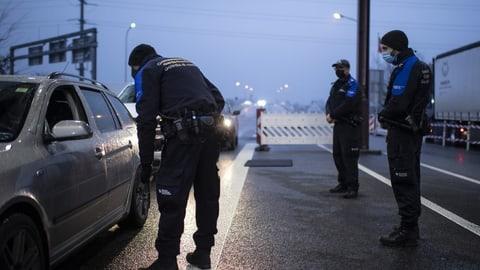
(189, 105)
(343, 109)
(404, 117)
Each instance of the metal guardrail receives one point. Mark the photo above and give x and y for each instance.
(456, 125)
(444, 125)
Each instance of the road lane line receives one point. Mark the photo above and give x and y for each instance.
(466, 178)
(235, 175)
(470, 226)
(463, 177)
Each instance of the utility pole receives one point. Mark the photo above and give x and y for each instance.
(363, 69)
(82, 36)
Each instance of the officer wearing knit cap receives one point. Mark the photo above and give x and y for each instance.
(177, 90)
(404, 117)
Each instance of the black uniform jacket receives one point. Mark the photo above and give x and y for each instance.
(408, 89)
(344, 99)
(168, 87)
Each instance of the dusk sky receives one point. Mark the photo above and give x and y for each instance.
(263, 43)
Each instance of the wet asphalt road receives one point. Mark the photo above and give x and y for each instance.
(286, 219)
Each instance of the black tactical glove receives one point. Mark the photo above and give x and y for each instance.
(145, 173)
(381, 118)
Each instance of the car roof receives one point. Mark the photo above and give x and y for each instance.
(59, 77)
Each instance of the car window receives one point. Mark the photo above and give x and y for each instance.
(100, 109)
(15, 100)
(121, 111)
(64, 104)
(128, 94)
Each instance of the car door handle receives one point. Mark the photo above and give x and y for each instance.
(99, 152)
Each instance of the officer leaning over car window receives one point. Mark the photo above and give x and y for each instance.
(404, 117)
(343, 109)
(189, 106)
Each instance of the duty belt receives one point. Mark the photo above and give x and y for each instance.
(189, 127)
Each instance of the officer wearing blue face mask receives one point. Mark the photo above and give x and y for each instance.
(343, 109)
(404, 117)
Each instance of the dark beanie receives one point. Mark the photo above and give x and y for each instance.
(139, 53)
(396, 40)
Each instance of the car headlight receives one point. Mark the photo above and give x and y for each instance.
(227, 122)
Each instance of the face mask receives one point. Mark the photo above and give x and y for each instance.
(134, 72)
(388, 57)
(340, 73)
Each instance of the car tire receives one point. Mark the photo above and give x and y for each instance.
(139, 205)
(231, 144)
(16, 230)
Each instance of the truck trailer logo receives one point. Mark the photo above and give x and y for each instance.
(445, 69)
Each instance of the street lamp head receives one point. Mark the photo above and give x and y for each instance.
(337, 16)
(261, 103)
(237, 84)
(285, 85)
(133, 25)
(246, 87)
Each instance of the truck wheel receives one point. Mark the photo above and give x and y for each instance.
(21, 245)
(139, 205)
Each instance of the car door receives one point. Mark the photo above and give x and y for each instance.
(127, 136)
(118, 146)
(75, 190)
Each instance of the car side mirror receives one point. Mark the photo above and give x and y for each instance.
(70, 130)
(236, 112)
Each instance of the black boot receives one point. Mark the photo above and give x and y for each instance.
(338, 189)
(200, 258)
(401, 237)
(351, 194)
(164, 264)
(396, 229)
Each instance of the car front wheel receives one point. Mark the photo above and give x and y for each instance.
(21, 244)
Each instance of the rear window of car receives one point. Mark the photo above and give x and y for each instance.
(100, 109)
(121, 110)
(128, 94)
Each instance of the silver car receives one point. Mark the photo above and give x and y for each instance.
(68, 168)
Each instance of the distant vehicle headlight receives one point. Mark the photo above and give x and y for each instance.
(227, 123)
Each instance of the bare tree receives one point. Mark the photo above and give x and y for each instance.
(7, 27)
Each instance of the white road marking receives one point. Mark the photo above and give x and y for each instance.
(463, 177)
(235, 175)
(470, 226)
(466, 178)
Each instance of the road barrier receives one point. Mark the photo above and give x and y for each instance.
(289, 129)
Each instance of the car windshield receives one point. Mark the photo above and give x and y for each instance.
(128, 94)
(15, 100)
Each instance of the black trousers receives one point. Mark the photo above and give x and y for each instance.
(346, 142)
(184, 165)
(403, 149)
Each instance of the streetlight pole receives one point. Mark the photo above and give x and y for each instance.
(363, 68)
(131, 26)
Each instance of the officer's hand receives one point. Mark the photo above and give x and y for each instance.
(146, 173)
(381, 118)
(329, 119)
